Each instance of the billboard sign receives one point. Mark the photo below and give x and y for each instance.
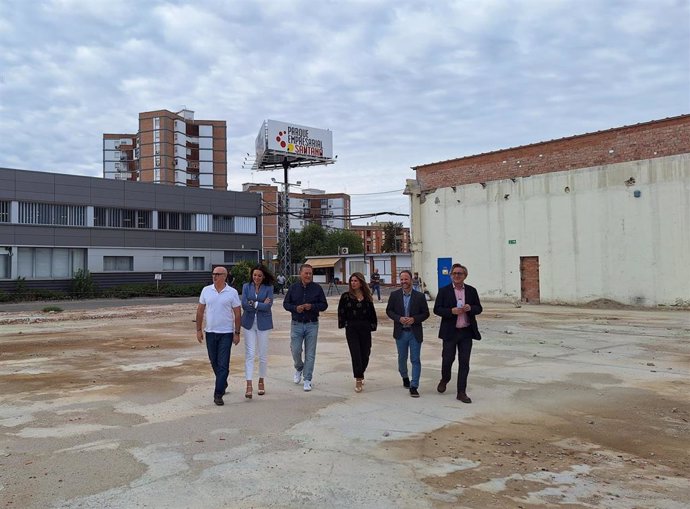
(296, 142)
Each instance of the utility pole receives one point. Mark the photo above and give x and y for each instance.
(290, 145)
(285, 265)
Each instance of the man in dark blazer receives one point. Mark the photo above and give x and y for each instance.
(408, 309)
(457, 304)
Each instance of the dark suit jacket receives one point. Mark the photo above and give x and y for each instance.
(419, 310)
(445, 301)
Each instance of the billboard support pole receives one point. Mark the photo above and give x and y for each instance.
(290, 145)
(285, 226)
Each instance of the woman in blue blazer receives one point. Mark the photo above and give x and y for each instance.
(257, 322)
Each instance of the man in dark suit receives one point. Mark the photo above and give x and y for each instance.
(457, 304)
(408, 309)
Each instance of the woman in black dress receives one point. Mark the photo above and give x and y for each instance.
(357, 315)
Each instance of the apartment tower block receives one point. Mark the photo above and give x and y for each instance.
(169, 148)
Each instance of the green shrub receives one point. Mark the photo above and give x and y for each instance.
(20, 288)
(240, 273)
(132, 290)
(53, 309)
(43, 294)
(83, 285)
(189, 290)
(129, 291)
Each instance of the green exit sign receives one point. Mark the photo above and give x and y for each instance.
(512, 242)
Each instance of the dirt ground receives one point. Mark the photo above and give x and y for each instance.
(572, 407)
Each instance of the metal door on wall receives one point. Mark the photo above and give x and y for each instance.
(443, 271)
(529, 279)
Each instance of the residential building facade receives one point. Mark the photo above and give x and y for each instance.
(169, 148)
(603, 215)
(330, 210)
(315, 206)
(52, 225)
(373, 237)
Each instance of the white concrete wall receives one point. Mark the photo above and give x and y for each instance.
(595, 241)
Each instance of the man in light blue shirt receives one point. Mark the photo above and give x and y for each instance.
(408, 309)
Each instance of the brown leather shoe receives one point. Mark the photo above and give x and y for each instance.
(464, 397)
(441, 386)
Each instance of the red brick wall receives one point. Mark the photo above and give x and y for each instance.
(529, 279)
(658, 138)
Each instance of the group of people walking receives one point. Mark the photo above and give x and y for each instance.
(457, 304)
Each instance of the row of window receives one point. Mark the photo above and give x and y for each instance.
(47, 213)
(126, 263)
(121, 218)
(107, 217)
(63, 263)
(49, 263)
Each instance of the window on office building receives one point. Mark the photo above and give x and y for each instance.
(232, 257)
(4, 266)
(176, 221)
(118, 263)
(121, 218)
(198, 263)
(234, 224)
(47, 262)
(4, 212)
(223, 224)
(245, 224)
(175, 263)
(52, 214)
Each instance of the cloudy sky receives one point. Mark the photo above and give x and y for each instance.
(399, 82)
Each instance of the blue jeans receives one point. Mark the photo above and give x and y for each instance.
(376, 288)
(218, 346)
(407, 343)
(304, 334)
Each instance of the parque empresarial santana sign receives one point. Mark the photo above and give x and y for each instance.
(291, 139)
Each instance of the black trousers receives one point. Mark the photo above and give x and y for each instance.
(462, 343)
(358, 335)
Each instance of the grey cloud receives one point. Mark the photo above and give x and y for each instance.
(400, 83)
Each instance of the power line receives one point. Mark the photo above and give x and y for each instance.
(300, 215)
(379, 192)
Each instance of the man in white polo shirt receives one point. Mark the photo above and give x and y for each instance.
(221, 304)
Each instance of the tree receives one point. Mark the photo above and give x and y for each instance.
(338, 239)
(391, 235)
(240, 274)
(310, 241)
(315, 240)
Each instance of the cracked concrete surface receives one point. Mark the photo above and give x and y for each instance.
(572, 407)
